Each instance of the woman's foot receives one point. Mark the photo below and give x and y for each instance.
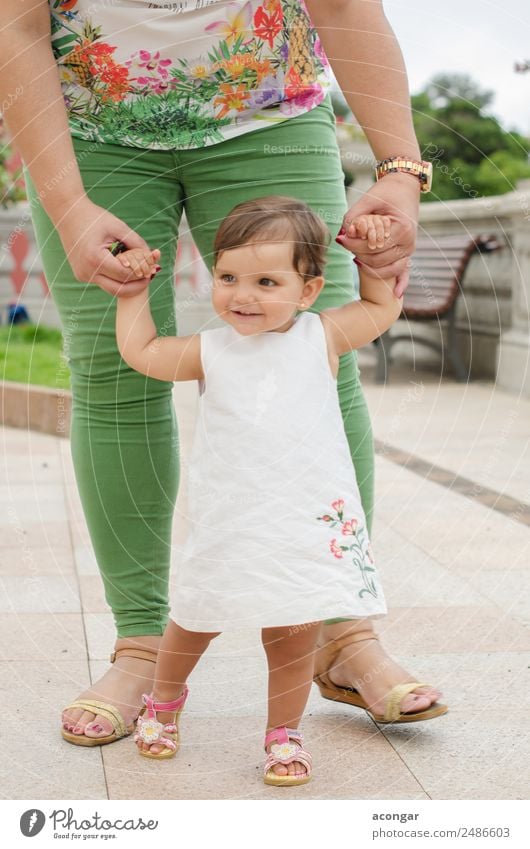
(122, 686)
(366, 666)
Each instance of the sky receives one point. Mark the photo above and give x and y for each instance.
(478, 37)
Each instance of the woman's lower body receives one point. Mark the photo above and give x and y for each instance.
(124, 434)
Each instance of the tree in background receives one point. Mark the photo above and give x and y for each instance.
(473, 155)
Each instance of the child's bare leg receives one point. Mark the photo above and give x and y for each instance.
(290, 656)
(179, 653)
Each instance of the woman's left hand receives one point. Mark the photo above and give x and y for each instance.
(397, 196)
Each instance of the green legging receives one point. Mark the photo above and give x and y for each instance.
(124, 433)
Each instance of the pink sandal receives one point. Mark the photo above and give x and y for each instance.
(285, 752)
(151, 731)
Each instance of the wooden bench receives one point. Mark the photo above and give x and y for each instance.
(438, 268)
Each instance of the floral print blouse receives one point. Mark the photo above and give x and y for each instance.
(170, 75)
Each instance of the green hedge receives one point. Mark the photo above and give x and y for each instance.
(31, 354)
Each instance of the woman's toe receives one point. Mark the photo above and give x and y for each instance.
(414, 702)
(70, 717)
(99, 727)
(83, 721)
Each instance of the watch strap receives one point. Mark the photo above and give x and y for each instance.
(418, 168)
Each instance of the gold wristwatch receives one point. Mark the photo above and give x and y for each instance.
(418, 168)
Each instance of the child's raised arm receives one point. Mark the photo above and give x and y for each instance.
(161, 357)
(360, 322)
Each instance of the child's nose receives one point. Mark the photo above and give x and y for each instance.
(244, 295)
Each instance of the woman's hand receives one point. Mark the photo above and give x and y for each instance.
(86, 233)
(396, 196)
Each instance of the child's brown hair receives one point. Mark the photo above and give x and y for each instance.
(276, 218)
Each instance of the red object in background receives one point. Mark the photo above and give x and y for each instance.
(192, 265)
(14, 163)
(19, 246)
(44, 283)
(19, 249)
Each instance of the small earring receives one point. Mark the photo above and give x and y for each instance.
(302, 304)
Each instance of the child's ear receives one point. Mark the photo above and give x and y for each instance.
(312, 289)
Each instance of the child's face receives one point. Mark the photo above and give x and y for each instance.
(257, 290)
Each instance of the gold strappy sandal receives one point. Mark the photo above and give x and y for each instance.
(325, 658)
(108, 711)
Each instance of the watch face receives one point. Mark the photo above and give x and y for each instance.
(427, 182)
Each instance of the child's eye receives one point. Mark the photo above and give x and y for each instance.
(267, 280)
(227, 278)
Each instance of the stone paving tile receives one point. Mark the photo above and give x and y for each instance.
(50, 536)
(79, 533)
(36, 561)
(17, 441)
(460, 534)
(29, 501)
(474, 682)
(509, 588)
(222, 759)
(43, 765)
(85, 560)
(408, 572)
(469, 755)
(485, 436)
(42, 636)
(30, 468)
(100, 635)
(452, 629)
(92, 594)
(39, 594)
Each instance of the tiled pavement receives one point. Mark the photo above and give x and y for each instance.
(456, 577)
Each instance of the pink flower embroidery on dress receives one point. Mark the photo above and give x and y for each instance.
(359, 549)
(336, 549)
(350, 527)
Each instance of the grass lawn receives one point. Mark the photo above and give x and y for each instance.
(30, 354)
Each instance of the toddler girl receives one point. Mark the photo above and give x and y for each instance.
(277, 536)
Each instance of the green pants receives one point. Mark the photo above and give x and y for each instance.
(124, 434)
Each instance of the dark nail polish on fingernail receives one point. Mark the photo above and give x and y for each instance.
(158, 268)
(339, 240)
(342, 232)
(356, 261)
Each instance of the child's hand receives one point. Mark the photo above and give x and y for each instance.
(142, 263)
(375, 228)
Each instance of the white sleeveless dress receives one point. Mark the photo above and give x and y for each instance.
(277, 535)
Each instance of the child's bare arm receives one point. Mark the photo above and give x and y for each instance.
(160, 357)
(360, 322)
